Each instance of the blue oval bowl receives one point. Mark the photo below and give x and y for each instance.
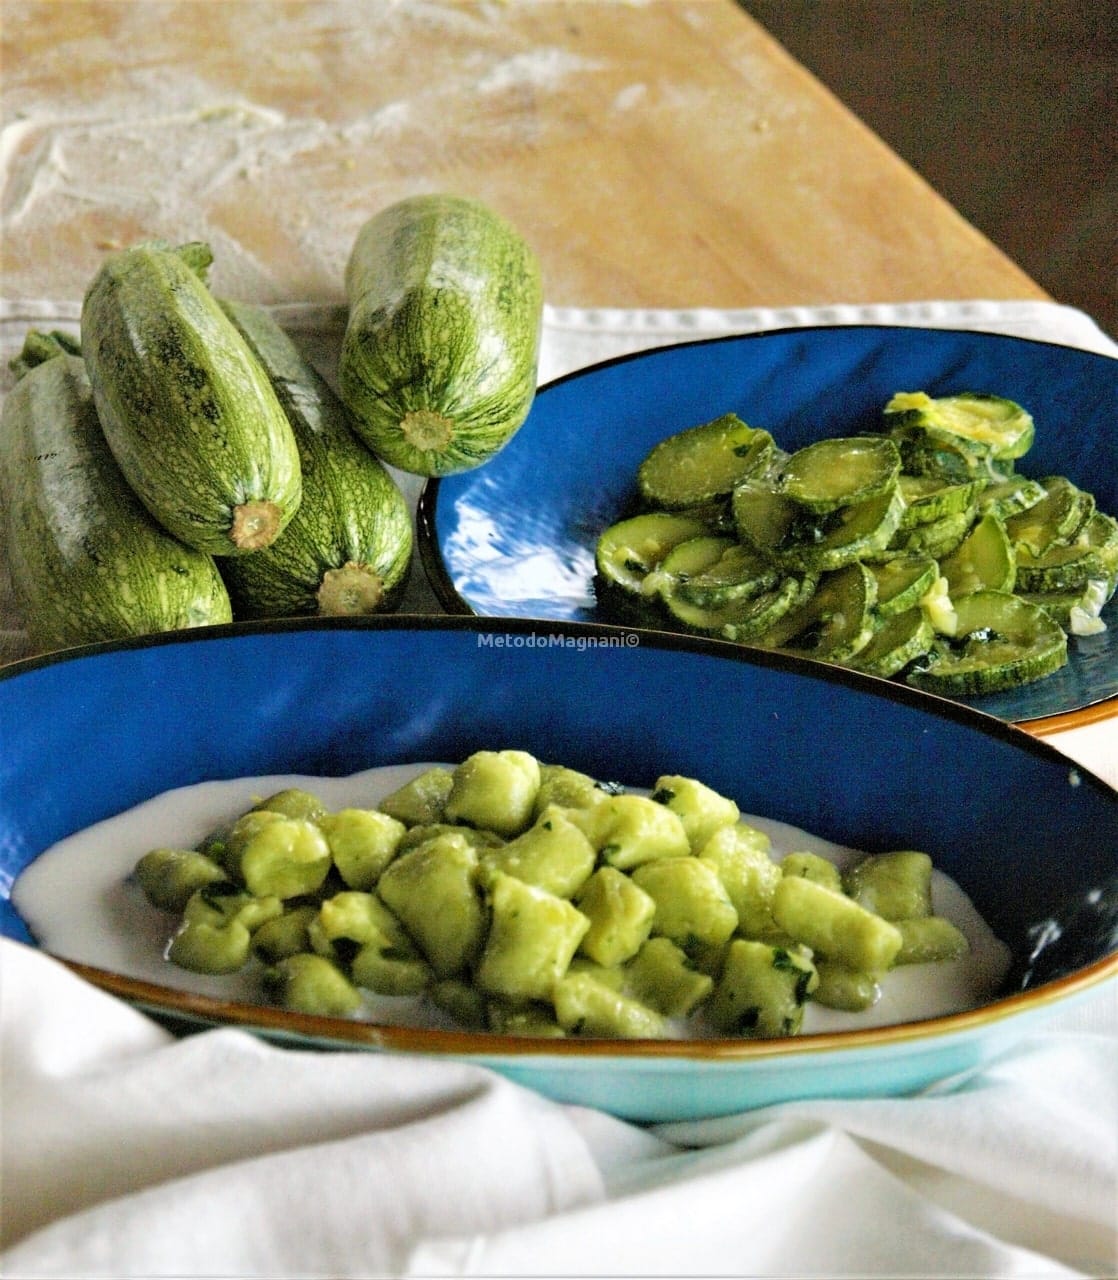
(516, 537)
(90, 732)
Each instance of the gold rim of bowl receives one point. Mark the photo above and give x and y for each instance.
(453, 1043)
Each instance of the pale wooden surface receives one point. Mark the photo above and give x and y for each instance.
(667, 154)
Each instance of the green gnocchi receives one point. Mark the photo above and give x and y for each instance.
(527, 898)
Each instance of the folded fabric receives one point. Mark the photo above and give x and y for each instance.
(575, 336)
(130, 1153)
(807, 1194)
(1011, 1171)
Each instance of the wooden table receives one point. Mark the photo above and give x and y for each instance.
(659, 154)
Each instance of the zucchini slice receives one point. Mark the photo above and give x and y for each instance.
(628, 551)
(703, 463)
(1060, 568)
(1093, 554)
(739, 571)
(975, 423)
(798, 538)
(1102, 533)
(1055, 519)
(941, 462)
(1079, 612)
(903, 582)
(744, 618)
(835, 623)
(901, 638)
(686, 560)
(984, 559)
(1001, 641)
(937, 538)
(929, 498)
(1009, 497)
(765, 520)
(850, 533)
(840, 471)
(691, 561)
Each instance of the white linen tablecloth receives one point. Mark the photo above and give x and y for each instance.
(126, 1152)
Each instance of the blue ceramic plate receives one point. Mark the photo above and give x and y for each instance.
(89, 733)
(516, 537)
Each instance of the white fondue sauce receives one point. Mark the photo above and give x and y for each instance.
(79, 901)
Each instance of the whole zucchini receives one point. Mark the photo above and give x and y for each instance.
(348, 548)
(438, 363)
(190, 417)
(87, 561)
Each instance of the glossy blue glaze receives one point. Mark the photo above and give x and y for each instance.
(516, 538)
(87, 734)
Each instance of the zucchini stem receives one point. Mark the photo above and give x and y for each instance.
(426, 430)
(39, 347)
(255, 524)
(352, 590)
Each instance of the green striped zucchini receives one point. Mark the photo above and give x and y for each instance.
(191, 418)
(1001, 641)
(87, 561)
(439, 358)
(348, 547)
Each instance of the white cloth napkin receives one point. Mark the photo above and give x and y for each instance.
(125, 1152)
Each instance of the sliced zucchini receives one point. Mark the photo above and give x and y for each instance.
(628, 551)
(779, 527)
(848, 534)
(1079, 612)
(1001, 642)
(686, 559)
(984, 559)
(899, 640)
(979, 424)
(903, 582)
(835, 623)
(746, 617)
(1102, 531)
(1055, 519)
(1009, 497)
(739, 571)
(938, 538)
(929, 498)
(895, 553)
(715, 514)
(840, 471)
(765, 520)
(943, 462)
(703, 462)
(1060, 568)
(1093, 554)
